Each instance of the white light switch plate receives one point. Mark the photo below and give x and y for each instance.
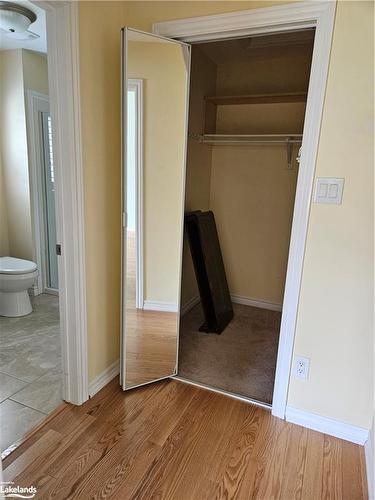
(329, 190)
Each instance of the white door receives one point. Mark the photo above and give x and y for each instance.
(150, 321)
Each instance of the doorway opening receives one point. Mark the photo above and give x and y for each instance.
(247, 107)
(31, 371)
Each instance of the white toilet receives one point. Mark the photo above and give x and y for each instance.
(16, 277)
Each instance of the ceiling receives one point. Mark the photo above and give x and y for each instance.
(243, 48)
(39, 27)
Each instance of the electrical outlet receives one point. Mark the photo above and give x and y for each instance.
(301, 367)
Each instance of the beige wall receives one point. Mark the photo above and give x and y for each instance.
(334, 319)
(35, 71)
(4, 235)
(21, 70)
(100, 89)
(164, 117)
(14, 154)
(335, 326)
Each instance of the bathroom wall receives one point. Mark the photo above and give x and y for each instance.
(20, 71)
(4, 236)
(14, 154)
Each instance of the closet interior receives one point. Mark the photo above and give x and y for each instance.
(246, 114)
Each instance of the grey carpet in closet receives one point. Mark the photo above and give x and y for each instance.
(241, 360)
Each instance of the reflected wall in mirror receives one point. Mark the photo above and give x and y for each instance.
(156, 73)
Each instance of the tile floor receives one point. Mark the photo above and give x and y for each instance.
(30, 368)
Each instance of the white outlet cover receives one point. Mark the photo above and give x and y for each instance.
(301, 367)
(329, 190)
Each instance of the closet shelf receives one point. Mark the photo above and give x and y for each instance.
(248, 138)
(258, 98)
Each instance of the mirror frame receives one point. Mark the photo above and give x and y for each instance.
(124, 117)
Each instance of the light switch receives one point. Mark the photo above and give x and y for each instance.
(328, 190)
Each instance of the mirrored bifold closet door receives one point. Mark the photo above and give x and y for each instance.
(154, 118)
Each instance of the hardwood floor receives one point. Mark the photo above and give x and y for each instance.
(174, 441)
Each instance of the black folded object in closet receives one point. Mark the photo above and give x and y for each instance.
(209, 270)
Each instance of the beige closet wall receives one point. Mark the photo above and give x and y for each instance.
(21, 70)
(199, 159)
(335, 313)
(164, 118)
(252, 196)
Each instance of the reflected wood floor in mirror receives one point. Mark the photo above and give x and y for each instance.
(150, 335)
(173, 441)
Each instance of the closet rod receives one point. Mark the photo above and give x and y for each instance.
(248, 139)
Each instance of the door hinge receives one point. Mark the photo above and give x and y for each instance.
(124, 219)
(58, 249)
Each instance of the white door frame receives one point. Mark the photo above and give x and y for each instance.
(36, 103)
(64, 94)
(136, 85)
(319, 15)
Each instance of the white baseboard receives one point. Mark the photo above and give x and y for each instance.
(104, 378)
(329, 426)
(370, 465)
(262, 304)
(189, 305)
(149, 305)
(237, 299)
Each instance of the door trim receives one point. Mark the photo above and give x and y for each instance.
(136, 84)
(64, 91)
(35, 103)
(296, 16)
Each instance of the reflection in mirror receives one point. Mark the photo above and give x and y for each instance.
(157, 83)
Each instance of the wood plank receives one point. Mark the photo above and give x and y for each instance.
(363, 473)
(332, 486)
(270, 477)
(244, 425)
(352, 484)
(257, 98)
(189, 449)
(58, 457)
(229, 480)
(313, 466)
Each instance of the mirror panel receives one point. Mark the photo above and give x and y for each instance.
(156, 79)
